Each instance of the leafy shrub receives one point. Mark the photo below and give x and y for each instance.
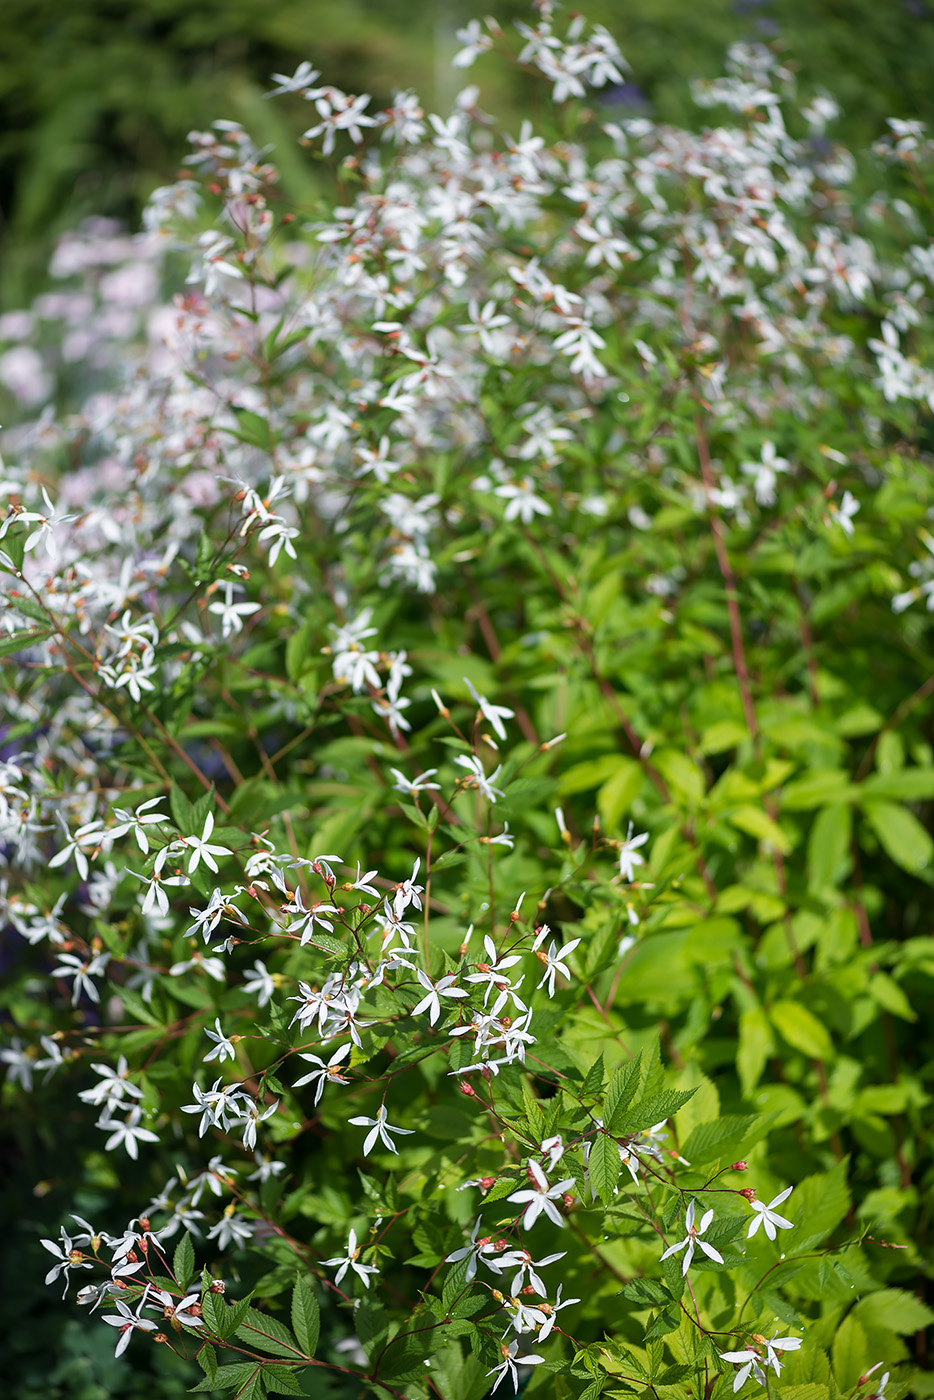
(467, 754)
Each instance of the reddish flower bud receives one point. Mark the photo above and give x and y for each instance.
(739, 1166)
(466, 1089)
(486, 1182)
(748, 1193)
(160, 1337)
(567, 1200)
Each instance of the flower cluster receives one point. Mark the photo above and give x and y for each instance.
(487, 468)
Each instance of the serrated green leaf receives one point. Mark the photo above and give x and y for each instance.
(656, 1109)
(725, 1136)
(227, 1377)
(183, 1261)
(279, 1380)
(230, 1315)
(603, 1166)
(306, 1317)
(593, 1079)
(265, 1333)
(206, 1358)
(620, 1092)
(895, 1309)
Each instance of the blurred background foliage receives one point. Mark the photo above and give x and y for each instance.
(97, 96)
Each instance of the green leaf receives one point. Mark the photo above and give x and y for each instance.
(620, 1092)
(183, 1261)
(604, 1165)
(656, 1109)
(817, 788)
(306, 1318)
(668, 1320)
(253, 428)
(137, 1008)
(759, 824)
(850, 1353)
(228, 1377)
(901, 836)
(228, 1316)
(828, 846)
(10, 645)
(801, 1029)
(459, 1377)
(207, 1360)
(646, 1291)
(906, 785)
(756, 1044)
(618, 793)
(279, 1380)
(180, 808)
(722, 1138)
(265, 1333)
(818, 1205)
(593, 1079)
(886, 991)
(894, 1309)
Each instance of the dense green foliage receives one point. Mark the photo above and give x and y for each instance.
(544, 530)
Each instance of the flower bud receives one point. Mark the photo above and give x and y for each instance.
(567, 1200)
(467, 1089)
(748, 1193)
(160, 1337)
(739, 1166)
(486, 1182)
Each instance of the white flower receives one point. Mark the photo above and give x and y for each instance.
(127, 1134)
(223, 1048)
(329, 1073)
(66, 1257)
(435, 990)
(523, 503)
(765, 473)
(474, 42)
(507, 1366)
(128, 1322)
(552, 959)
(692, 1240)
(528, 1270)
(177, 1308)
(493, 714)
(230, 1229)
(541, 1197)
(381, 1129)
(350, 1260)
(230, 613)
(767, 1216)
(484, 1249)
(628, 854)
(478, 778)
(260, 981)
(411, 787)
(551, 1311)
(201, 850)
(775, 1346)
(749, 1362)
